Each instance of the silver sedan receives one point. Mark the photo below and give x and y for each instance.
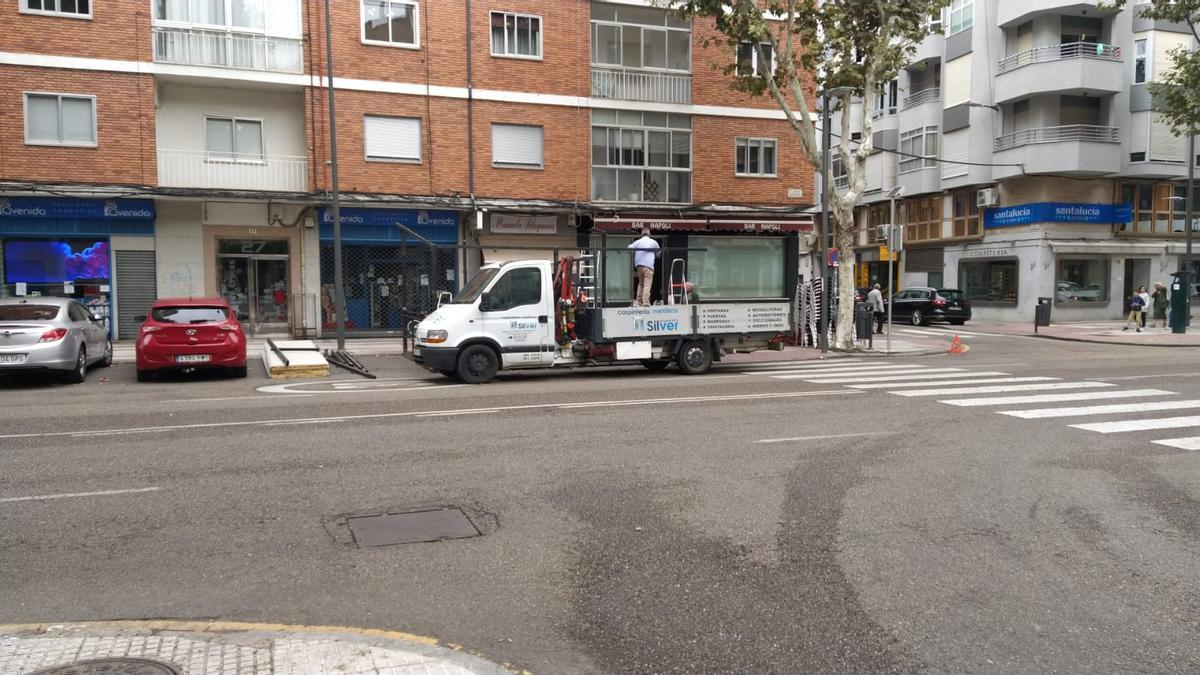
(51, 334)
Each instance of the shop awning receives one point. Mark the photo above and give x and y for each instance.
(1119, 247)
(746, 225)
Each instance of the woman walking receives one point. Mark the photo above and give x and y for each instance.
(1136, 305)
(1161, 300)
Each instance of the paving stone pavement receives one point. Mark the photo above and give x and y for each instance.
(222, 648)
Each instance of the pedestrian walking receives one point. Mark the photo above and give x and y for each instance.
(1161, 300)
(1145, 303)
(875, 300)
(1136, 304)
(645, 250)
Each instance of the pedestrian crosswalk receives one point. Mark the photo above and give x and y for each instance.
(1107, 408)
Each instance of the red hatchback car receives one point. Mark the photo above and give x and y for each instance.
(183, 333)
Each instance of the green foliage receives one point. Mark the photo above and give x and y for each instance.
(1176, 92)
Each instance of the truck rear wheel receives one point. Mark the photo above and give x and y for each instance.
(477, 364)
(694, 358)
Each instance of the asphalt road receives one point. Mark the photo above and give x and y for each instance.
(633, 522)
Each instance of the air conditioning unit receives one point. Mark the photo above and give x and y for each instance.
(987, 197)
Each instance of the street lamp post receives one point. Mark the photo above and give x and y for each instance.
(1189, 215)
(339, 288)
(893, 194)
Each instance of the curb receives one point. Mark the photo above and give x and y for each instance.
(448, 654)
(1103, 342)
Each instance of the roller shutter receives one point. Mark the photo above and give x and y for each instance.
(137, 288)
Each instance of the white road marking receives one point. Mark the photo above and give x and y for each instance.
(894, 379)
(1139, 424)
(798, 364)
(834, 369)
(896, 375)
(940, 333)
(999, 389)
(972, 333)
(1146, 377)
(690, 378)
(1192, 443)
(1115, 408)
(828, 436)
(228, 398)
(350, 386)
(986, 380)
(319, 420)
(68, 495)
(455, 413)
(1054, 398)
(881, 370)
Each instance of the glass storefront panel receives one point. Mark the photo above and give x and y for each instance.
(1081, 281)
(737, 267)
(989, 280)
(618, 268)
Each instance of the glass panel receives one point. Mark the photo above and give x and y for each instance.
(599, 146)
(632, 148)
(219, 138)
(272, 291)
(188, 315)
(498, 33)
(517, 288)
(248, 142)
(535, 37)
(209, 12)
(375, 24)
(679, 121)
(736, 267)
(1082, 281)
(681, 150)
(77, 120)
(679, 50)
(655, 52)
(768, 158)
(248, 14)
(252, 247)
(631, 47)
(752, 149)
(608, 44)
(614, 147)
(654, 187)
(629, 185)
(989, 281)
(41, 120)
(618, 269)
(284, 19)
(476, 285)
(644, 15)
(679, 185)
(525, 43)
(654, 119)
(739, 160)
(604, 184)
(659, 146)
(604, 117)
(235, 284)
(745, 59)
(603, 12)
(403, 23)
(629, 118)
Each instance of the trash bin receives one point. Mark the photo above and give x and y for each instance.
(1041, 313)
(863, 318)
(1180, 287)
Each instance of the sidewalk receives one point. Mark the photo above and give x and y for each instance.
(226, 648)
(1101, 332)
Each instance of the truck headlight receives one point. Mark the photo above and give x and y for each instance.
(436, 336)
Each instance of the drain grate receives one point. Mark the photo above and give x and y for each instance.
(411, 528)
(112, 667)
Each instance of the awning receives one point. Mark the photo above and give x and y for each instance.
(544, 250)
(747, 225)
(1119, 247)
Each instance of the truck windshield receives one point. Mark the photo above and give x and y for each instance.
(470, 292)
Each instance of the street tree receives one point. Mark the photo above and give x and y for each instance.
(1176, 92)
(850, 48)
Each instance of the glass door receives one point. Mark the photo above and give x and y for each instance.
(271, 294)
(235, 285)
(254, 279)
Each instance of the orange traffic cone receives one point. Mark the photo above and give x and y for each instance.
(957, 347)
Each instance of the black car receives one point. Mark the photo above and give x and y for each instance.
(920, 306)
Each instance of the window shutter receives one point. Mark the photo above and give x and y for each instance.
(393, 138)
(1165, 146)
(41, 118)
(78, 120)
(514, 144)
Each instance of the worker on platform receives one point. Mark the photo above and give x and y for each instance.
(645, 250)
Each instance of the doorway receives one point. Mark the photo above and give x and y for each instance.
(254, 278)
(1137, 273)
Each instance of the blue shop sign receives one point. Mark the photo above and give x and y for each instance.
(89, 209)
(1058, 212)
(380, 225)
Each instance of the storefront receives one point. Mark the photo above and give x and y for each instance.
(391, 275)
(724, 259)
(526, 236)
(98, 251)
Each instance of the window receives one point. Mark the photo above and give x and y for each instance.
(922, 218)
(754, 156)
(78, 9)
(519, 287)
(1081, 281)
(641, 156)
(254, 16)
(1140, 62)
(961, 14)
(732, 268)
(750, 65)
(515, 145)
(886, 99)
(989, 280)
(233, 139)
(390, 22)
(640, 37)
(60, 119)
(189, 314)
(517, 35)
(877, 216)
(968, 221)
(392, 139)
(1155, 212)
(918, 149)
(935, 22)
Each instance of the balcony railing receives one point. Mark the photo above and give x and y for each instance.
(192, 169)
(1073, 50)
(883, 112)
(1072, 133)
(641, 85)
(924, 96)
(227, 50)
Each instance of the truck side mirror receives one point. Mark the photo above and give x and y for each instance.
(485, 302)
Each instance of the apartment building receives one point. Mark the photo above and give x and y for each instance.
(1024, 159)
(181, 147)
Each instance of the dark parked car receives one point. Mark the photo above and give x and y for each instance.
(920, 306)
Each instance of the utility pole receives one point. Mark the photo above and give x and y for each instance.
(822, 253)
(339, 287)
(1189, 212)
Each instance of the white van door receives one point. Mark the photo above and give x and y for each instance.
(516, 312)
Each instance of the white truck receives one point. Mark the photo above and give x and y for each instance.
(530, 314)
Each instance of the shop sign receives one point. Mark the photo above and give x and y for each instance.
(1058, 212)
(64, 208)
(703, 225)
(989, 253)
(506, 223)
(406, 217)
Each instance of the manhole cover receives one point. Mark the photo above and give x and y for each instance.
(112, 667)
(411, 528)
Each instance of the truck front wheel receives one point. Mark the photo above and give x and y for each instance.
(477, 364)
(695, 357)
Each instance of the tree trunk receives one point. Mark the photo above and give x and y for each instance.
(846, 229)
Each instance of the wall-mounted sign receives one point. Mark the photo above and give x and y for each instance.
(1058, 212)
(632, 225)
(508, 223)
(989, 253)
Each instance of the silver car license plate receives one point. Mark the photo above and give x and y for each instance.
(193, 358)
(13, 358)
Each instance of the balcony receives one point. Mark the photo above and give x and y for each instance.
(1075, 68)
(226, 49)
(931, 95)
(1012, 12)
(630, 84)
(270, 173)
(1078, 149)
